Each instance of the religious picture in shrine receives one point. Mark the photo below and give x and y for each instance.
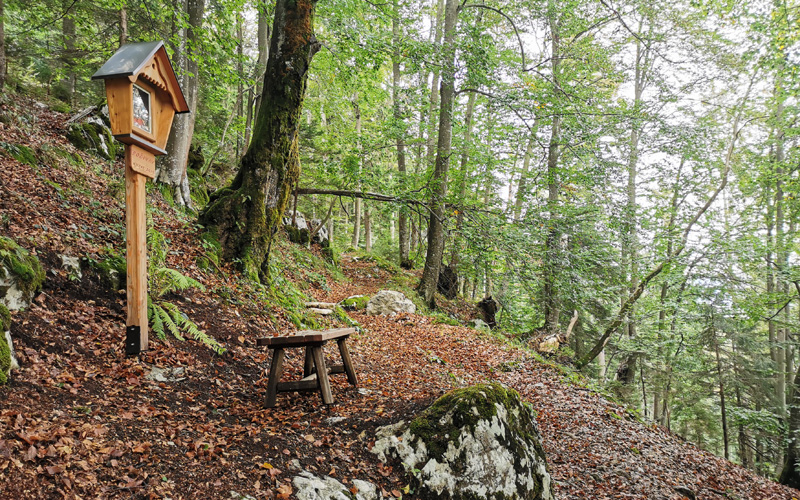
(141, 109)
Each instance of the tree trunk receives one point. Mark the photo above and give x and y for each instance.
(357, 204)
(68, 34)
(263, 37)
(462, 195)
(433, 258)
(721, 394)
(240, 83)
(246, 215)
(402, 222)
(523, 176)
(367, 230)
(172, 170)
(123, 26)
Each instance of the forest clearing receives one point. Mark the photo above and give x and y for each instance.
(504, 250)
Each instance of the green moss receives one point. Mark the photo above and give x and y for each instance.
(22, 154)
(5, 318)
(358, 303)
(94, 138)
(113, 271)
(25, 268)
(342, 316)
(5, 360)
(468, 406)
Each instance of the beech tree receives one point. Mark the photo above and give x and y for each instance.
(245, 215)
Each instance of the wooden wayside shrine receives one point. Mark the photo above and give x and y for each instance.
(143, 97)
(315, 372)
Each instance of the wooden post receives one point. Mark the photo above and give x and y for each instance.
(139, 165)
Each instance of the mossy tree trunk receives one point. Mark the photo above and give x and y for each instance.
(245, 215)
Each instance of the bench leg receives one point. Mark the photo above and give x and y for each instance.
(322, 374)
(275, 372)
(308, 364)
(348, 363)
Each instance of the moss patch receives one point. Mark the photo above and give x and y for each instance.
(93, 137)
(24, 267)
(22, 154)
(355, 303)
(5, 319)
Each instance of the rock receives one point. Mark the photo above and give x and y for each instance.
(299, 231)
(113, 271)
(241, 496)
(311, 487)
(8, 361)
(320, 311)
(21, 275)
(354, 303)
(322, 235)
(480, 324)
(390, 302)
(72, 265)
(166, 374)
(548, 344)
(321, 305)
(686, 492)
(93, 136)
(478, 442)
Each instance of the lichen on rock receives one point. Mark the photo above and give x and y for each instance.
(478, 442)
(21, 275)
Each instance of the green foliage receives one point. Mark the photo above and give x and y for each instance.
(167, 317)
(5, 318)
(23, 267)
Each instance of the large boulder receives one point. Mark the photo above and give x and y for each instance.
(390, 302)
(478, 442)
(21, 275)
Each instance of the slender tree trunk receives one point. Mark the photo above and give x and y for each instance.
(68, 34)
(357, 204)
(433, 259)
(367, 230)
(552, 304)
(123, 26)
(172, 170)
(263, 38)
(402, 223)
(721, 384)
(240, 83)
(246, 215)
(434, 101)
(790, 475)
(462, 195)
(522, 189)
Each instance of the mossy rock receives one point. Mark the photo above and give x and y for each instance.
(22, 154)
(477, 442)
(5, 318)
(113, 271)
(21, 274)
(93, 136)
(355, 303)
(5, 350)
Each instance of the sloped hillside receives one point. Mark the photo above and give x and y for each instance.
(82, 420)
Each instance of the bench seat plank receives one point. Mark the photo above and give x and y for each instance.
(305, 337)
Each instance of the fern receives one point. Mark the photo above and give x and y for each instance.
(167, 317)
(166, 280)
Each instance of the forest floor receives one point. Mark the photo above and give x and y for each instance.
(82, 420)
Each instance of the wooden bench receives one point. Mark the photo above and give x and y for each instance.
(315, 373)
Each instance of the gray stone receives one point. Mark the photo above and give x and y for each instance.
(166, 374)
(390, 302)
(72, 265)
(478, 442)
(480, 324)
(311, 487)
(241, 496)
(14, 360)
